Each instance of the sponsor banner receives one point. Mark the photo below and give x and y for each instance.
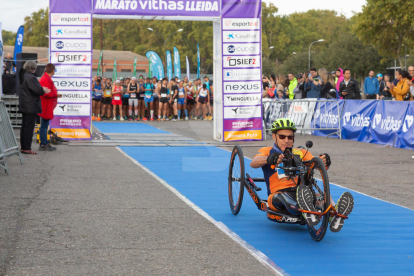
(72, 84)
(67, 45)
(241, 36)
(243, 124)
(68, 133)
(241, 74)
(70, 32)
(406, 137)
(243, 87)
(242, 99)
(83, 71)
(206, 8)
(72, 110)
(356, 119)
(71, 19)
(246, 112)
(241, 49)
(241, 62)
(326, 115)
(71, 58)
(387, 121)
(75, 97)
(243, 135)
(71, 122)
(241, 24)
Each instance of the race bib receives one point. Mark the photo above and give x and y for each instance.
(280, 172)
(133, 95)
(117, 98)
(108, 93)
(163, 95)
(148, 96)
(180, 93)
(98, 94)
(203, 93)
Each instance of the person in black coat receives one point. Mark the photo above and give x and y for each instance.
(29, 104)
(349, 88)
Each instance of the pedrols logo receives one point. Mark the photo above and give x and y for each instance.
(386, 124)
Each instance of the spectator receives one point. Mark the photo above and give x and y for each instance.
(313, 85)
(328, 90)
(349, 88)
(10, 64)
(385, 91)
(265, 82)
(371, 86)
(340, 77)
(280, 88)
(29, 104)
(285, 94)
(49, 102)
(273, 78)
(411, 72)
(401, 91)
(298, 91)
(293, 83)
(271, 91)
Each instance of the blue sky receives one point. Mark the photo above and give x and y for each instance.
(14, 12)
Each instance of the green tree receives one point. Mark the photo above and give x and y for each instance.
(36, 27)
(387, 25)
(8, 37)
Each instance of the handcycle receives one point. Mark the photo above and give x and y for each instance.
(311, 173)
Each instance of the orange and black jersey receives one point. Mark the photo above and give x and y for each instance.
(274, 182)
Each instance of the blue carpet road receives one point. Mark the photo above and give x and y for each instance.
(378, 239)
(114, 127)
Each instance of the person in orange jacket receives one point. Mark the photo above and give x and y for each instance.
(401, 91)
(49, 102)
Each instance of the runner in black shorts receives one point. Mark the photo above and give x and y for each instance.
(141, 102)
(133, 98)
(125, 98)
(163, 95)
(107, 99)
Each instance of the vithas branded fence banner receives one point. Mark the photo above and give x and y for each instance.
(327, 115)
(177, 63)
(156, 66)
(169, 66)
(406, 136)
(356, 120)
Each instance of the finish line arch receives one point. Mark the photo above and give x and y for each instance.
(236, 27)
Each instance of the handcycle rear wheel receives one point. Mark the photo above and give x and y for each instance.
(236, 179)
(318, 181)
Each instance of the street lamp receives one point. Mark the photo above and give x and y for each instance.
(294, 53)
(320, 40)
(165, 39)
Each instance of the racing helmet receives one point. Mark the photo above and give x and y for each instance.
(283, 123)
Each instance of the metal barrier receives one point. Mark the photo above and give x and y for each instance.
(8, 141)
(304, 113)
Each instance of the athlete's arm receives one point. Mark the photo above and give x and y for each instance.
(128, 91)
(260, 161)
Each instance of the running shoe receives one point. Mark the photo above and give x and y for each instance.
(174, 120)
(178, 119)
(114, 119)
(152, 119)
(129, 118)
(210, 118)
(305, 200)
(145, 119)
(170, 117)
(93, 118)
(163, 119)
(186, 118)
(125, 118)
(121, 119)
(158, 120)
(98, 119)
(344, 207)
(167, 119)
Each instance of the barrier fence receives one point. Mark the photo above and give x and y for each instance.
(380, 122)
(301, 112)
(8, 141)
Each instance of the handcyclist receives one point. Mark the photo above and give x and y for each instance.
(182, 100)
(162, 92)
(283, 192)
(132, 90)
(149, 98)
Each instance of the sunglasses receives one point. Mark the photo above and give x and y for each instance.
(283, 137)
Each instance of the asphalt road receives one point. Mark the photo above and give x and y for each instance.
(91, 211)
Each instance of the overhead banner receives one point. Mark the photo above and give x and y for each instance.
(169, 66)
(241, 65)
(70, 44)
(198, 61)
(156, 66)
(18, 45)
(177, 63)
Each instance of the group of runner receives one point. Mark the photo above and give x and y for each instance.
(139, 99)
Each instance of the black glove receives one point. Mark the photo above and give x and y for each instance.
(272, 159)
(328, 159)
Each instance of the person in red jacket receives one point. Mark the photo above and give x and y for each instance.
(49, 102)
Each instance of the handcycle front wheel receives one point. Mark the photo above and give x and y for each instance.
(236, 179)
(318, 181)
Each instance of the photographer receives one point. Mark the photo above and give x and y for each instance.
(313, 85)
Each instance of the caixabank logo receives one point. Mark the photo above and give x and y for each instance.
(70, 19)
(72, 84)
(70, 32)
(241, 36)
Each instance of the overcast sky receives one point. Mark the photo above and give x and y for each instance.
(13, 11)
